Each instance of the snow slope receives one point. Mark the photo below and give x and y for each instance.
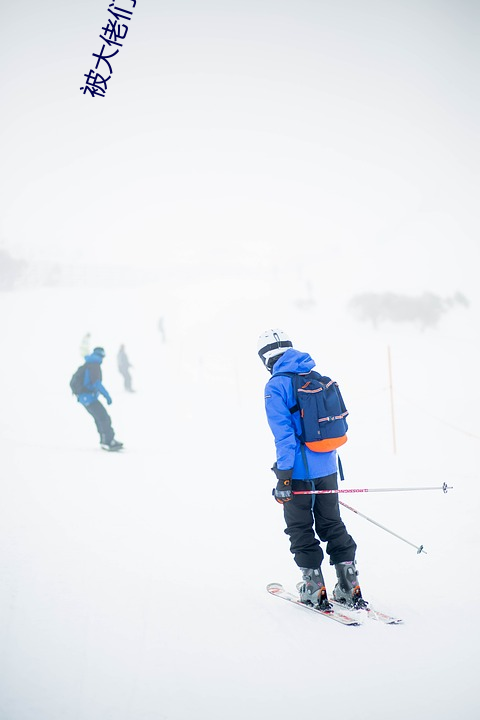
(133, 585)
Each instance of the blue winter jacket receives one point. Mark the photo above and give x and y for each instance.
(93, 381)
(285, 426)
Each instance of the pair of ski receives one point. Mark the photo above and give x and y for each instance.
(339, 613)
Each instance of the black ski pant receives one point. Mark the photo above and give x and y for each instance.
(102, 421)
(310, 517)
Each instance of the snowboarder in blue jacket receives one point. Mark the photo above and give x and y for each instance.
(92, 388)
(309, 518)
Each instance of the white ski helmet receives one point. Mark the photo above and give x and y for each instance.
(271, 344)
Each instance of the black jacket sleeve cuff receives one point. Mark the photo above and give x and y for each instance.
(282, 474)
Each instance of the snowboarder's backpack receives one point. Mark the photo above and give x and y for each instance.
(78, 378)
(322, 411)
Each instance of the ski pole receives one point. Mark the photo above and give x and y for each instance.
(419, 548)
(443, 487)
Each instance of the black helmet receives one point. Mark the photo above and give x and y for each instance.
(99, 351)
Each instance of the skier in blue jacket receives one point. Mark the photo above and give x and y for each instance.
(309, 518)
(93, 387)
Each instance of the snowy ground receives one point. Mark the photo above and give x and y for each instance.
(133, 585)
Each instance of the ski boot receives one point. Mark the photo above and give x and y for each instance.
(347, 590)
(312, 589)
(112, 446)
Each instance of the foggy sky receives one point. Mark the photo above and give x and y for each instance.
(243, 129)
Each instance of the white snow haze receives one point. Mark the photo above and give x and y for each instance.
(251, 165)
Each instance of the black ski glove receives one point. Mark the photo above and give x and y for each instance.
(283, 492)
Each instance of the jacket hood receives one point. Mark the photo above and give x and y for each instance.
(293, 361)
(93, 358)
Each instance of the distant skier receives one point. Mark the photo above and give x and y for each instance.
(161, 329)
(124, 366)
(300, 468)
(85, 345)
(87, 385)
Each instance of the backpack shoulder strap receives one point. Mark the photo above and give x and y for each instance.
(293, 377)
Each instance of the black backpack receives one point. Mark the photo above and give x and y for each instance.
(77, 382)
